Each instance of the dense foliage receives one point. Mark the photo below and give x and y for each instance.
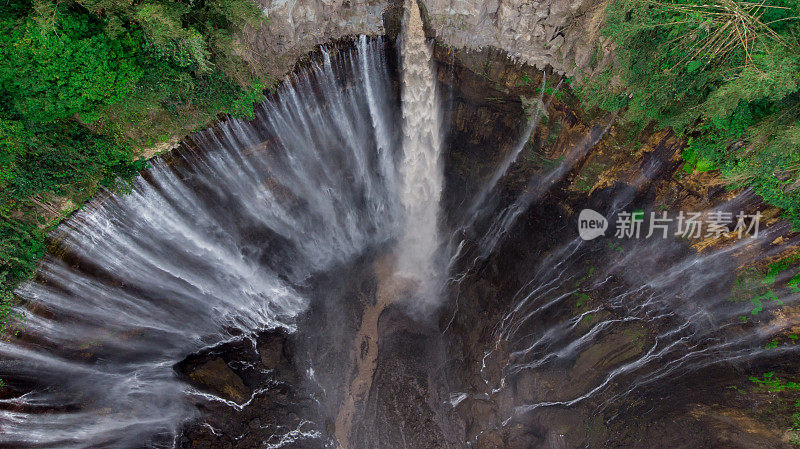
(724, 73)
(84, 84)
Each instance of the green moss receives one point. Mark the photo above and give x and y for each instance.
(773, 384)
(582, 299)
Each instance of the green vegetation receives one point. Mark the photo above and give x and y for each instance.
(84, 86)
(786, 404)
(583, 298)
(764, 287)
(770, 383)
(758, 286)
(788, 263)
(525, 81)
(589, 176)
(725, 74)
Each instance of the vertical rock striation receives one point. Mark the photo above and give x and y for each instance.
(563, 34)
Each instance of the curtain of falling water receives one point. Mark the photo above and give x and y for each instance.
(421, 171)
(683, 298)
(206, 249)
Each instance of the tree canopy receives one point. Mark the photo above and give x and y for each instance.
(724, 73)
(85, 83)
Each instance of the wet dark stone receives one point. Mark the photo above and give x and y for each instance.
(280, 404)
(406, 404)
(216, 376)
(271, 350)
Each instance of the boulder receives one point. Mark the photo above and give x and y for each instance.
(218, 378)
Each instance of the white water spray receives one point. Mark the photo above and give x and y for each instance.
(206, 249)
(421, 171)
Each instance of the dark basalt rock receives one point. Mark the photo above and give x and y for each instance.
(271, 350)
(234, 370)
(407, 404)
(215, 376)
(262, 375)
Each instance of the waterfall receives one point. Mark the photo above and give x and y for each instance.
(421, 172)
(318, 214)
(212, 244)
(216, 242)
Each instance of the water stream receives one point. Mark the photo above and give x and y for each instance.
(514, 328)
(420, 170)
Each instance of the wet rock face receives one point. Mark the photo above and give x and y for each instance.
(563, 34)
(216, 376)
(407, 405)
(565, 339)
(271, 350)
(297, 379)
(484, 122)
(274, 406)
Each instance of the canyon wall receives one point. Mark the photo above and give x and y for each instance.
(563, 34)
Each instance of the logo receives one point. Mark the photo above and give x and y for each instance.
(687, 225)
(591, 224)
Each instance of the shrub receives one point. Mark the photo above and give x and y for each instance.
(725, 74)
